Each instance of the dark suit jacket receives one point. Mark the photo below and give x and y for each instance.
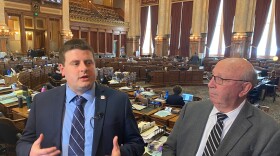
(253, 133)
(47, 112)
(175, 100)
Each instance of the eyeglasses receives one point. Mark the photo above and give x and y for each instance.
(218, 80)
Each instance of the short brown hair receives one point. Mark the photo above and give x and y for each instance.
(73, 44)
(177, 90)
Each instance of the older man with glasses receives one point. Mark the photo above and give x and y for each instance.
(226, 124)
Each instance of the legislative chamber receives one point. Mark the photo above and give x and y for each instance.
(142, 48)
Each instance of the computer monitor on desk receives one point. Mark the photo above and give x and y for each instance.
(187, 97)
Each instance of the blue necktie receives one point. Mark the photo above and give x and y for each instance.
(77, 135)
(214, 138)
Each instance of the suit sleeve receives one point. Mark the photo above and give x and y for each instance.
(134, 144)
(272, 148)
(29, 134)
(169, 147)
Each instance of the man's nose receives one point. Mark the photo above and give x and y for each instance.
(83, 66)
(211, 83)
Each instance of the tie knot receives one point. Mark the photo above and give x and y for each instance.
(221, 116)
(80, 100)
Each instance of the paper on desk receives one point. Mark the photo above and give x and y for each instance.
(148, 93)
(3, 88)
(2, 81)
(125, 88)
(144, 126)
(6, 101)
(150, 133)
(7, 96)
(160, 100)
(113, 82)
(138, 107)
(162, 113)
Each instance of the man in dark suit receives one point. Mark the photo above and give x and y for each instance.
(176, 99)
(243, 130)
(106, 114)
(194, 59)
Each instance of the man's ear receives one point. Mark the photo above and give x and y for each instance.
(61, 69)
(246, 87)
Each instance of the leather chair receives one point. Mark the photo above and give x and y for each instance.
(271, 88)
(9, 135)
(56, 83)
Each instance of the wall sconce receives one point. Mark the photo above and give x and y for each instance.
(69, 35)
(4, 31)
(194, 38)
(239, 36)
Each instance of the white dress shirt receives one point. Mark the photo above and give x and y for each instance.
(212, 120)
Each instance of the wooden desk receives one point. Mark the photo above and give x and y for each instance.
(146, 112)
(7, 108)
(171, 122)
(163, 121)
(19, 113)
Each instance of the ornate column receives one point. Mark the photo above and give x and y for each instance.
(197, 39)
(66, 32)
(162, 38)
(4, 29)
(243, 27)
(132, 14)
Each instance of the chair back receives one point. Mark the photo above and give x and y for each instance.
(8, 131)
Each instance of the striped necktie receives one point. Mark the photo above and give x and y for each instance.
(214, 138)
(77, 135)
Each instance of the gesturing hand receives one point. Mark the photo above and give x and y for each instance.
(36, 149)
(116, 148)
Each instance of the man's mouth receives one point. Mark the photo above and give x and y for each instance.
(84, 77)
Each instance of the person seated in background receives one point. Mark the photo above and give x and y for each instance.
(176, 98)
(18, 68)
(56, 74)
(106, 79)
(194, 59)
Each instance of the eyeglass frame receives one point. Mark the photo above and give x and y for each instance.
(222, 79)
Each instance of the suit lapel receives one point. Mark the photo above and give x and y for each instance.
(239, 127)
(100, 107)
(200, 124)
(59, 106)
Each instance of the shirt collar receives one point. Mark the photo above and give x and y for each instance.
(89, 95)
(231, 114)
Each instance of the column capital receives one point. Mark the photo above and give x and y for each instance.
(4, 30)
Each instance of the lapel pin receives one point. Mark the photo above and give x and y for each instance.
(103, 97)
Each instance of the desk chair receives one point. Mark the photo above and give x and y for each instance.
(9, 135)
(175, 106)
(56, 83)
(271, 88)
(264, 108)
(255, 94)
